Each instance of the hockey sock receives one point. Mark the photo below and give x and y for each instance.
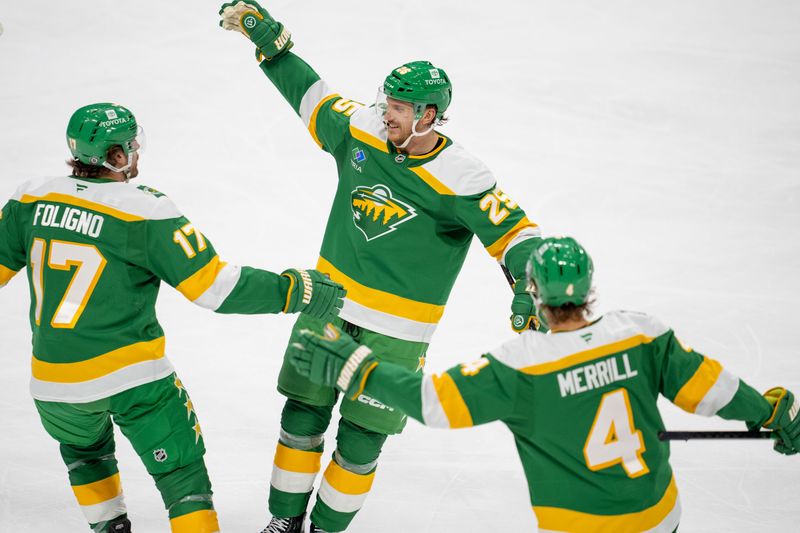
(297, 457)
(186, 492)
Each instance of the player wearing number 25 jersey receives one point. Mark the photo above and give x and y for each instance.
(96, 249)
(580, 401)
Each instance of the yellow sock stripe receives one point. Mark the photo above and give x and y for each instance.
(432, 182)
(451, 401)
(312, 122)
(99, 366)
(383, 301)
(6, 274)
(587, 355)
(98, 491)
(369, 139)
(195, 285)
(299, 461)
(348, 482)
(694, 390)
(557, 519)
(498, 247)
(204, 521)
(79, 202)
(363, 384)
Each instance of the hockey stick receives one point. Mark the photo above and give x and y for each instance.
(511, 282)
(692, 435)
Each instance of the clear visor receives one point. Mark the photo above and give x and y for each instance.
(138, 143)
(381, 102)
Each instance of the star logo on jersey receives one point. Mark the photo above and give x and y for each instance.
(376, 212)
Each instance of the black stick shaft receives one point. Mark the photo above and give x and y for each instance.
(693, 435)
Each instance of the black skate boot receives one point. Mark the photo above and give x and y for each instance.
(119, 525)
(315, 529)
(285, 525)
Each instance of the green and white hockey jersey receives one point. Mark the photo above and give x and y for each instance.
(400, 226)
(96, 251)
(582, 408)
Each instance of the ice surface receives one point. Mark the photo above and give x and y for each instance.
(663, 135)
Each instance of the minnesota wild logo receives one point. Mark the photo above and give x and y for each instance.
(376, 212)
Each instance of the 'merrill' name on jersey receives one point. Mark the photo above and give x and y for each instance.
(70, 218)
(595, 376)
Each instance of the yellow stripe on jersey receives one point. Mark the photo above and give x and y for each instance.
(368, 138)
(441, 144)
(204, 521)
(557, 519)
(195, 285)
(694, 390)
(431, 180)
(451, 401)
(99, 366)
(6, 274)
(80, 202)
(498, 247)
(98, 491)
(301, 461)
(348, 482)
(587, 355)
(312, 122)
(384, 302)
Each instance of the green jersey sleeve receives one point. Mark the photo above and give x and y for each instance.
(324, 113)
(699, 384)
(501, 225)
(178, 253)
(465, 395)
(12, 251)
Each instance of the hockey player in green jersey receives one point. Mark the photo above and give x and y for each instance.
(580, 400)
(408, 203)
(96, 249)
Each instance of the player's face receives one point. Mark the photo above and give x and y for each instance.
(399, 118)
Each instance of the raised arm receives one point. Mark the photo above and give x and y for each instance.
(324, 113)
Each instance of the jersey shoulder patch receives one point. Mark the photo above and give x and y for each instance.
(461, 172)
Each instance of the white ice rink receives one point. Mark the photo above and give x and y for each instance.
(664, 135)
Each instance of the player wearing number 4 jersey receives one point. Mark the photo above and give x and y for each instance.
(580, 401)
(408, 203)
(96, 249)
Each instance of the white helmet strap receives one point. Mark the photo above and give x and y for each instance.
(415, 133)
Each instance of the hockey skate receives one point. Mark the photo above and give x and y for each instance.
(285, 525)
(315, 529)
(119, 525)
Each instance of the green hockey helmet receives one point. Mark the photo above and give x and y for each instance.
(421, 84)
(95, 128)
(560, 272)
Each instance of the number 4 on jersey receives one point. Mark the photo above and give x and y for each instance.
(613, 439)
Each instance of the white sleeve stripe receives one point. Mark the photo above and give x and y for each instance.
(719, 395)
(524, 235)
(314, 95)
(222, 287)
(432, 412)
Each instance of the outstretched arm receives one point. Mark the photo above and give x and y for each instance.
(464, 396)
(698, 384)
(12, 252)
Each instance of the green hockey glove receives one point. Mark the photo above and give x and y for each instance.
(784, 421)
(523, 309)
(250, 19)
(313, 293)
(333, 359)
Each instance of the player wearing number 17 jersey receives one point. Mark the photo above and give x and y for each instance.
(96, 249)
(580, 401)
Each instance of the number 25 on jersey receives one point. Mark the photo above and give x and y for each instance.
(63, 255)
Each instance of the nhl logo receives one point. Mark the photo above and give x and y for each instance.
(400, 158)
(160, 455)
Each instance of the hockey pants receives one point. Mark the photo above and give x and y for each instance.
(158, 419)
